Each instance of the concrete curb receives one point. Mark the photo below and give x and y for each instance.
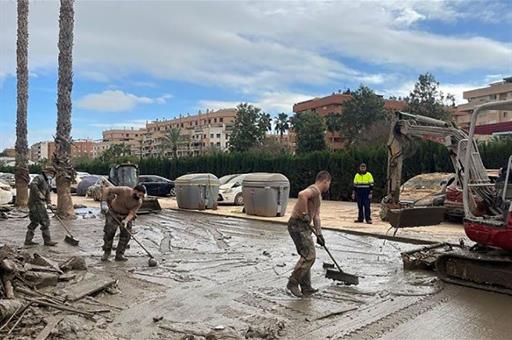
(410, 240)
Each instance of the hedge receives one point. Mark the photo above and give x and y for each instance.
(422, 157)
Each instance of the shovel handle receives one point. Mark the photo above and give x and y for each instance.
(328, 252)
(61, 222)
(122, 226)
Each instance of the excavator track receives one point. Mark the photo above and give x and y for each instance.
(481, 270)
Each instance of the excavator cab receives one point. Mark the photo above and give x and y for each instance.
(127, 175)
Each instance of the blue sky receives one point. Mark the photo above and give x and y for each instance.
(141, 60)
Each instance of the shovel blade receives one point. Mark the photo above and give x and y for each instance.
(348, 279)
(70, 240)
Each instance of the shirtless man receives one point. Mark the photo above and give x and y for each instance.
(307, 209)
(123, 203)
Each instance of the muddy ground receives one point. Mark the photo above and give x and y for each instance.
(226, 276)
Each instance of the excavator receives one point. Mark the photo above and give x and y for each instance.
(126, 174)
(487, 264)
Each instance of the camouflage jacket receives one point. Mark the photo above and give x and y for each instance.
(39, 190)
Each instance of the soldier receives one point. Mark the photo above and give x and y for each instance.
(39, 196)
(307, 209)
(123, 204)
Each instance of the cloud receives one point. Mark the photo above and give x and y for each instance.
(255, 47)
(95, 75)
(271, 102)
(116, 101)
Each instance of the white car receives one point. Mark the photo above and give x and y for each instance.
(6, 195)
(231, 191)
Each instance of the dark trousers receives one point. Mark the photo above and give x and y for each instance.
(363, 204)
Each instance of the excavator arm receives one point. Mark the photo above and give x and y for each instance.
(404, 128)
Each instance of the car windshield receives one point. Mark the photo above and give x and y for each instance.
(226, 179)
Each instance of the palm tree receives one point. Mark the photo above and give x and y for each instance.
(282, 124)
(172, 140)
(61, 156)
(22, 177)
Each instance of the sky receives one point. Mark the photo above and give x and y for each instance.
(137, 61)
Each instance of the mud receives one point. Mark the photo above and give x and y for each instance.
(224, 278)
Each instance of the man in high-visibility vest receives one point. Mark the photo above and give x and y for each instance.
(362, 192)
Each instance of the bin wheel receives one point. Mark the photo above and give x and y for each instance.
(239, 199)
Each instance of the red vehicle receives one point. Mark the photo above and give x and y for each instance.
(487, 208)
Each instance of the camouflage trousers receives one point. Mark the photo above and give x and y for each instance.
(300, 233)
(38, 217)
(109, 231)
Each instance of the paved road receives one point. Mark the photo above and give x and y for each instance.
(230, 273)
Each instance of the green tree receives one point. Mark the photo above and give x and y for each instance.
(427, 99)
(333, 122)
(250, 127)
(282, 124)
(310, 130)
(21, 173)
(115, 153)
(173, 140)
(62, 157)
(361, 116)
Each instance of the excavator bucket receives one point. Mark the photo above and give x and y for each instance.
(415, 217)
(150, 204)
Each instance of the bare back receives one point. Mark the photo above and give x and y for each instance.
(123, 203)
(313, 203)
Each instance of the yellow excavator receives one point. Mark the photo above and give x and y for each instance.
(127, 174)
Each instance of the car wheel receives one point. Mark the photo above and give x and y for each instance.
(239, 199)
(172, 192)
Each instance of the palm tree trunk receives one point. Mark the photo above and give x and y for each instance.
(61, 157)
(21, 173)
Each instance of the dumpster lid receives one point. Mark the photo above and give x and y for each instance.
(198, 178)
(266, 177)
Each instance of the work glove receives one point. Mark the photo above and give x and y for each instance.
(104, 207)
(353, 196)
(370, 196)
(125, 223)
(320, 240)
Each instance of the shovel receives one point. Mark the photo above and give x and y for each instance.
(152, 261)
(337, 275)
(69, 239)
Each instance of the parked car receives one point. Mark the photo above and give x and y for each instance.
(74, 185)
(6, 195)
(231, 192)
(227, 178)
(426, 189)
(8, 178)
(85, 183)
(157, 185)
(94, 191)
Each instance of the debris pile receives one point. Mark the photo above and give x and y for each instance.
(40, 296)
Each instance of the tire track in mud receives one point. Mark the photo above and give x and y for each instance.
(377, 328)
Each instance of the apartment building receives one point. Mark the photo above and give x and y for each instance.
(333, 104)
(45, 149)
(492, 122)
(199, 133)
(131, 137)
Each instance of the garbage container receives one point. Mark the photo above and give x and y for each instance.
(197, 191)
(265, 194)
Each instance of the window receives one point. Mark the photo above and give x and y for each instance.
(204, 136)
(218, 135)
(211, 143)
(211, 135)
(209, 121)
(195, 122)
(221, 120)
(218, 143)
(215, 120)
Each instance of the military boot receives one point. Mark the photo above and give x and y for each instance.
(106, 255)
(120, 258)
(293, 287)
(305, 285)
(48, 238)
(28, 238)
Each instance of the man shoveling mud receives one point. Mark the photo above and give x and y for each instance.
(123, 204)
(307, 209)
(38, 198)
